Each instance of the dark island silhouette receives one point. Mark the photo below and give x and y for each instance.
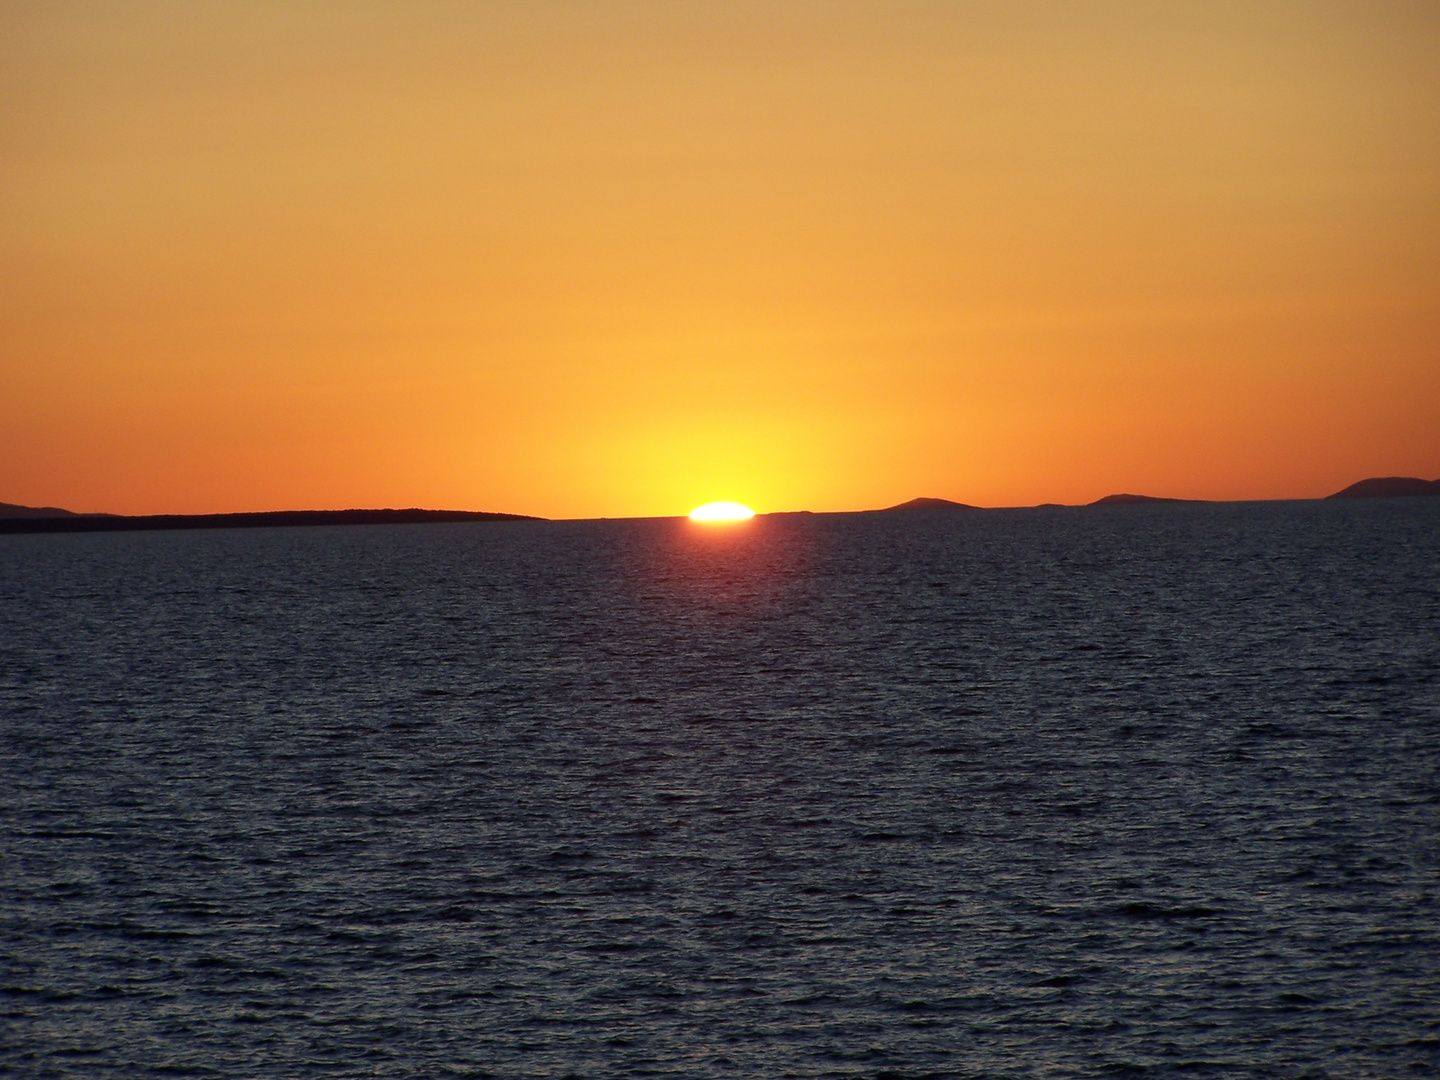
(1388, 487)
(15, 518)
(50, 520)
(1376, 487)
(1126, 499)
(14, 510)
(930, 504)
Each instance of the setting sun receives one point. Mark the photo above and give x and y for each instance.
(721, 511)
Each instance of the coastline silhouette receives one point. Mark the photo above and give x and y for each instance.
(1388, 487)
(15, 518)
(65, 521)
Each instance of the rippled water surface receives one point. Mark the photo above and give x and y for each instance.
(1131, 791)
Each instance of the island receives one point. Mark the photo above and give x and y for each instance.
(930, 504)
(64, 521)
(14, 510)
(1131, 500)
(1388, 487)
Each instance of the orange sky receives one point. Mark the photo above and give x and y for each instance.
(580, 258)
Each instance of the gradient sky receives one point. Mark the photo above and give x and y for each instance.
(583, 259)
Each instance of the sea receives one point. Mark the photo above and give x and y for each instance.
(1119, 791)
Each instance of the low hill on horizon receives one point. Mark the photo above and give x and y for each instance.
(1388, 487)
(1125, 499)
(68, 522)
(930, 504)
(15, 510)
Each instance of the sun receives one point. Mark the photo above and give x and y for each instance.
(721, 511)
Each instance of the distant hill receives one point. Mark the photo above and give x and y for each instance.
(1123, 500)
(13, 510)
(270, 519)
(931, 504)
(1388, 487)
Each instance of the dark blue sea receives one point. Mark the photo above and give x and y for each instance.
(1134, 791)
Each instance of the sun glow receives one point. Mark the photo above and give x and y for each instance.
(721, 511)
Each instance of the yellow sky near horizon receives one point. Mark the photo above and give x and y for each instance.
(584, 259)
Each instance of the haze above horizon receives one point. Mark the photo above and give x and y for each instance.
(622, 260)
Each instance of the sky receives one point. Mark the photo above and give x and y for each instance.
(582, 259)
